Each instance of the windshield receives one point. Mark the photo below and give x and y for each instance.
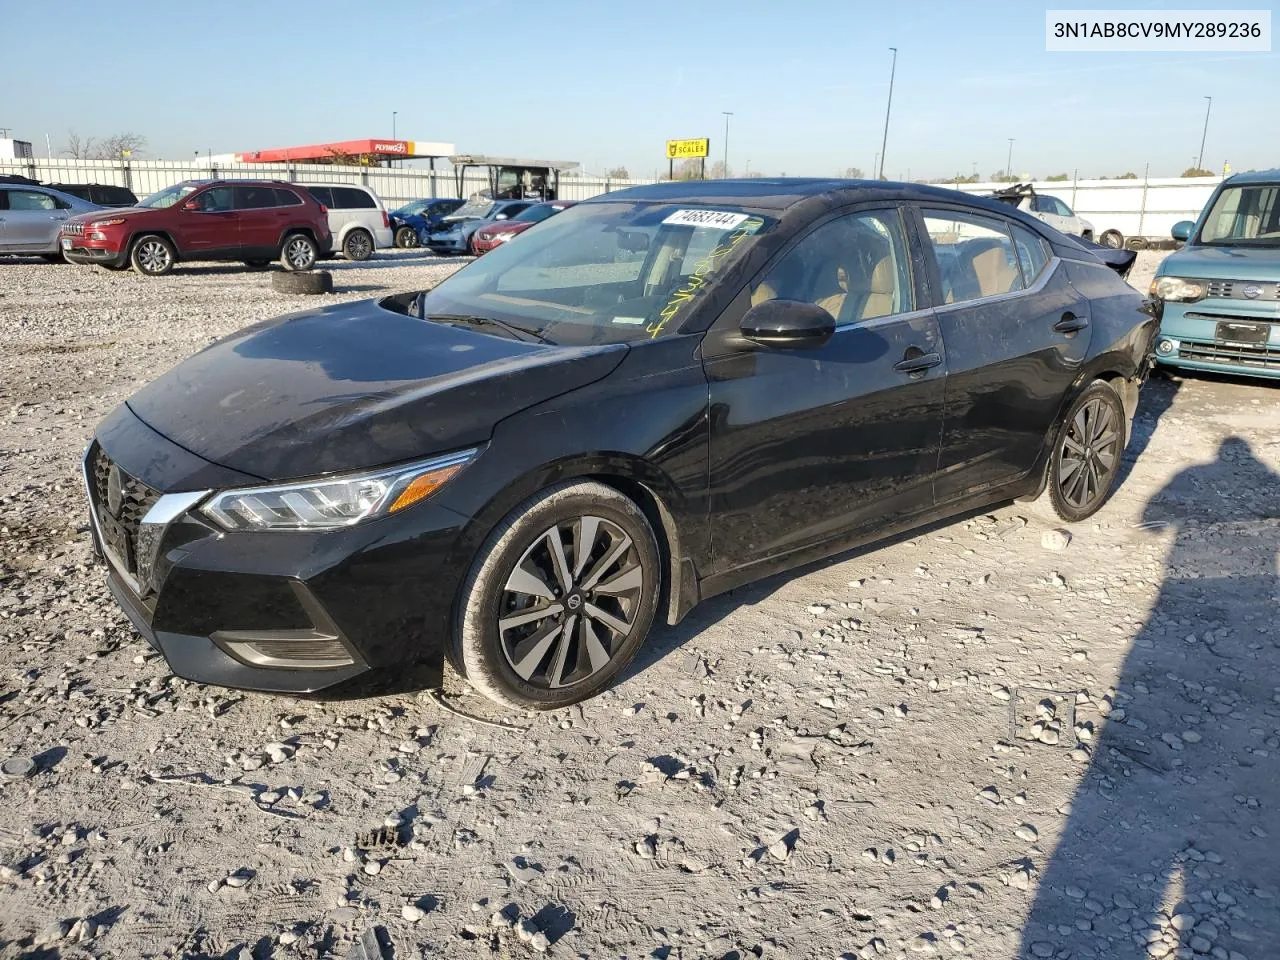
(473, 208)
(412, 209)
(537, 213)
(168, 196)
(603, 272)
(1244, 216)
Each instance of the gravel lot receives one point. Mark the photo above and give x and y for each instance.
(983, 741)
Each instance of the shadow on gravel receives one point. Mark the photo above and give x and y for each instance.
(1170, 847)
(1156, 398)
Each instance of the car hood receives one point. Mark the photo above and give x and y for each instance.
(354, 385)
(1224, 263)
(97, 213)
(508, 226)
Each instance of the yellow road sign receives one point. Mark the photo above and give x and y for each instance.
(685, 149)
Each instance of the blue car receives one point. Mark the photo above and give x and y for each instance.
(453, 235)
(414, 220)
(1220, 294)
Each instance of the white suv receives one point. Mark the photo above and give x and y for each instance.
(1048, 209)
(357, 218)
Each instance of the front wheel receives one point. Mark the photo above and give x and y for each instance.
(1086, 454)
(298, 252)
(407, 237)
(152, 255)
(559, 598)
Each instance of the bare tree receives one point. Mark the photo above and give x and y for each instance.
(718, 171)
(119, 145)
(853, 173)
(77, 147)
(618, 173)
(690, 169)
(1197, 172)
(1058, 177)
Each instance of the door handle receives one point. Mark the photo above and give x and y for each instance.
(1071, 323)
(917, 364)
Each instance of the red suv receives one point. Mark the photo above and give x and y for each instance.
(251, 220)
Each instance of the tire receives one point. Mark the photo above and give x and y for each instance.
(529, 664)
(358, 245)
(1112, 238)
(257, 264)
(152, 255)
(471, 246)
(1092, 437)
(1087, 235)
(298, 252)
(407, 238)
(309, 282)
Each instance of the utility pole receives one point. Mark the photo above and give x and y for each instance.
(1200, 159)
(727, 115)
(888, 107)
(1008, 164)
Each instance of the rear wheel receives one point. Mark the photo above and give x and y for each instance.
(406, 237)
(1112, 238)
(1086, 454)
(152, 255)
(559, 598)
(358, 245)
(298, 252)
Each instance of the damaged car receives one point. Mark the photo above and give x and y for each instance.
(656, 396)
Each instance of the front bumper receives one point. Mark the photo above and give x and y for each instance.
(93, 251)
(281, 612)
(447, 242)
(1220, 335)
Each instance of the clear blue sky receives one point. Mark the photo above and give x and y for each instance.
(606, 84)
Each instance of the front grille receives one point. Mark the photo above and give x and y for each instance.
(136, 498)
(73, 229)
(1220, 288)
(1249, 356)
(1236, 290)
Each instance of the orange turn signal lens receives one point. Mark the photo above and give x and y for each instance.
(423, 486)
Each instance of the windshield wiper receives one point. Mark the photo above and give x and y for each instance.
(519, 333)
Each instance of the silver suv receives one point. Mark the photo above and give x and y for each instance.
(357, 218)
(30, 217)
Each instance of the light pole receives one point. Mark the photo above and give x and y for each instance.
(1200, 159)
(727, 115)
(1008, 164)
(888, 106)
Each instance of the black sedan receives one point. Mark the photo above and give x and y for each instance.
(654, 397)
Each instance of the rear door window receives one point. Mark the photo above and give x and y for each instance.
(1033, 253)
(323, 195)
(254, 198)
(975, 255)
(349, 198)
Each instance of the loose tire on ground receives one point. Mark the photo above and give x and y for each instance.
(306, 282)
(298, 252)
(1088, 445)
(1112, 238)
(358, 245)
(407, 238)
(152, 255)
(605, 591)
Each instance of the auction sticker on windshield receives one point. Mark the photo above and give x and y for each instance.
(720, 219)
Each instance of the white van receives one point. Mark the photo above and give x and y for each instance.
(357, 218)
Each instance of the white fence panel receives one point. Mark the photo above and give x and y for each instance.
(395, 185)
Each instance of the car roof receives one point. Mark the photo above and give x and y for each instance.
(1255, 176)
(779, 193)
(353, 186)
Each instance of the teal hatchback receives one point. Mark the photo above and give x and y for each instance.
(1220, 294)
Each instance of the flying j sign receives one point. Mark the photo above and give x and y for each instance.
(686, 149)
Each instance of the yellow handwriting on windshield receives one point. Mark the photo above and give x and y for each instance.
(702, 270)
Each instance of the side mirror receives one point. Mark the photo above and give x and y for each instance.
(1182, 229)
(788, 323)
(191, 205)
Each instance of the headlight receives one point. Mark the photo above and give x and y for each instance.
(333, 502)
(114, 222)
(1177, 289)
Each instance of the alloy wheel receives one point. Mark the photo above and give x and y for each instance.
(570, 602)
(358, 246)
(153, 256)
(299, 253)
(1090, 454)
